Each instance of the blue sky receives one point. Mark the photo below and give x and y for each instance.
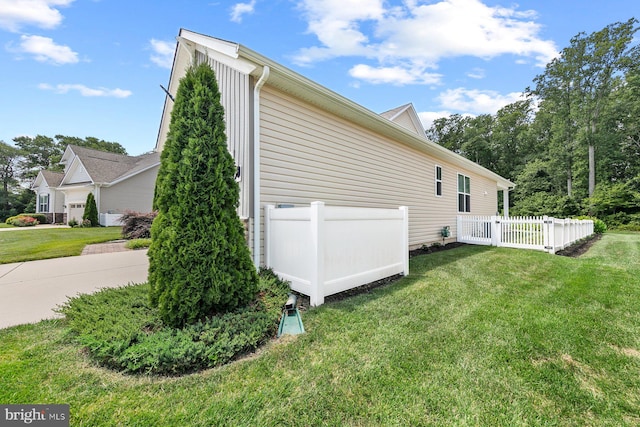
(94, 67)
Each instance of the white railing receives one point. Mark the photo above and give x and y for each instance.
(540, 233)
(109, 220)
(323, 250)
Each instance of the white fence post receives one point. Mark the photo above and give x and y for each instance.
(548, 235)
(268, 209)
(405, 238)
(496, 231)
(317, 265)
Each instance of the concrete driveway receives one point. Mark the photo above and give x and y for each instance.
(29, 291)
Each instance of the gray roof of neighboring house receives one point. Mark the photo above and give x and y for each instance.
(105, 167)
(53, 178)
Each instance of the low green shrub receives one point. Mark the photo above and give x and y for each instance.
(138, 243)
(123, 331)
(599, 226)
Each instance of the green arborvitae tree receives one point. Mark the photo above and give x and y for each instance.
(199, 262)
(91, 210)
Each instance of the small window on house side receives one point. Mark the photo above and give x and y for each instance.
(464, 193)
(438, 181)
(43, 203)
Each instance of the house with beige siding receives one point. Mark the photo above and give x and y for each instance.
(118, 182)
(295, 142)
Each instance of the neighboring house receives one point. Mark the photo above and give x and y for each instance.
(295, 141)
(118, 182)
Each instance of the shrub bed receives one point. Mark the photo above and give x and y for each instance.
(123, 331)
(26, 220)
(138, 243)
(137, 225)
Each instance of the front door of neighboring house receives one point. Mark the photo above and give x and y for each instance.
(76, 210)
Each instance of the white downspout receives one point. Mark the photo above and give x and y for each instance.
(256, 165)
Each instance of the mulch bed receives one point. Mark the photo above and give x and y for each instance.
(575, 250)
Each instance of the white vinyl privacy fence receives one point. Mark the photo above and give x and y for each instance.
(109, 219)
(540, 233)
(323, 250)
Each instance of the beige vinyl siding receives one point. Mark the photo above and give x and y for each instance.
(405, 121)
(309, 154)
(58, 201)
(234, 90)
(133, 194)
(78, 174)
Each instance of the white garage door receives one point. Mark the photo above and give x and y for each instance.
(76, 210)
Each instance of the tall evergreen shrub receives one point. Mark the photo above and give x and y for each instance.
(199, 262)
(91, 210)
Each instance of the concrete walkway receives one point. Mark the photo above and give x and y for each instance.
(29, 291)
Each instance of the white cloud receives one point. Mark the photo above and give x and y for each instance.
(476, 101)
(336, 23)
(418, 36)
(44, 49)
(86, 91)
(476, 73)
(428, 117)
(163, 53)
(240, 9)
(396, 75)
(15, 14)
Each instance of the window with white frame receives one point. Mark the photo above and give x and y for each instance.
(438, 181)
(43, 203)
(464, 193)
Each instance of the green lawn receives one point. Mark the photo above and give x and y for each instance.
(474, 336)
(29, 245)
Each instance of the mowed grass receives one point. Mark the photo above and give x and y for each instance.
(475, 336)
(29, 245)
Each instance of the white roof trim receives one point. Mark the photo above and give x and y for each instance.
(413, 116)
(75, 163)
(220, 50)
(125, 177)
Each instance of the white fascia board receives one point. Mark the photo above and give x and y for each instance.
(396, 115)
(75, 164)
(67, 156)
(221, 50)
(36, 182)
(125, 177)
(79, 186)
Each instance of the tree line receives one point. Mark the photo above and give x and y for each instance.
(572, 143)
(21, 161)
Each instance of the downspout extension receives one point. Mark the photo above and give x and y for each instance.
(256, 165)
